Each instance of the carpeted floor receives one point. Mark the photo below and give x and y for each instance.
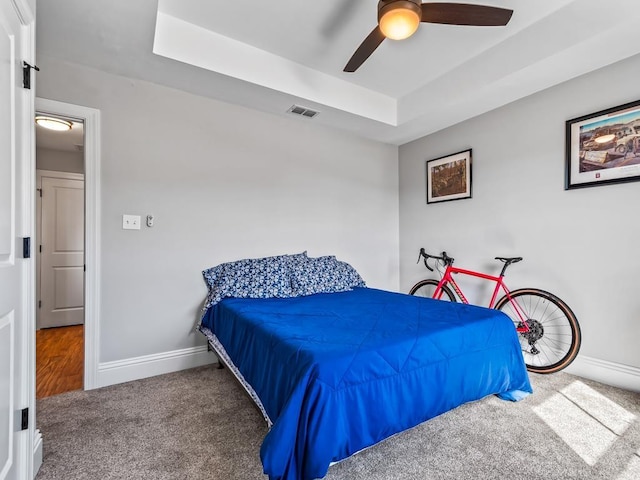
(198, 424)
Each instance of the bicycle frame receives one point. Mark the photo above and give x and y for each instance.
(447, 278)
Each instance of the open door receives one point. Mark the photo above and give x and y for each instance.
(16, 271)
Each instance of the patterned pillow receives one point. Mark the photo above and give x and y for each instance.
(323, 275)
(251, 278)
(211, 275)
(215, 274)
(282, 276)
(258, 278)
(347, 277)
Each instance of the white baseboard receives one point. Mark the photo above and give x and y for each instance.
(120, 371)
(37, 452)
(609, 373)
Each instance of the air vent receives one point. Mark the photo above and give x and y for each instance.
(304, 111)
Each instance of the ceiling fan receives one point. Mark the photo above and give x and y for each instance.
(399, 19)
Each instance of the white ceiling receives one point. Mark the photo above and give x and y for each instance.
(269, 55)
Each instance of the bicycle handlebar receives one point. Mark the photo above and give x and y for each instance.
(447, 260)
(444, 258)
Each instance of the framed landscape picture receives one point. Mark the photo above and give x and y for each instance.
(449, 178)
(603, 147)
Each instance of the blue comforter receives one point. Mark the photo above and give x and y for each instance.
(339, 372)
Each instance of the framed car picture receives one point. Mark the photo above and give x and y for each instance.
(603, 147)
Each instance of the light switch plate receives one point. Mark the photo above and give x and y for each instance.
(131, 222)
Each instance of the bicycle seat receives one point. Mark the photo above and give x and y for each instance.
(509, 259)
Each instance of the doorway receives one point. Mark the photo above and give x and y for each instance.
(91, 123)
(60, 264)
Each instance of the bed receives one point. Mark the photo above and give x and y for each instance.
(334, 372)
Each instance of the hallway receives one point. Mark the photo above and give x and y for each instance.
(59, 360)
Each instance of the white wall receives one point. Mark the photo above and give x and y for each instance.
(223, 183)
(59, 160)
(580, 244)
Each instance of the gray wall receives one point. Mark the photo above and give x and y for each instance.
(223, 183)
(580, 244)
(59, 160)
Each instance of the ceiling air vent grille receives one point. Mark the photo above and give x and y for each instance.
(304, 111)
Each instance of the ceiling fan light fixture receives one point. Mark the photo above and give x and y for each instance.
(52, 123)
(399, 19)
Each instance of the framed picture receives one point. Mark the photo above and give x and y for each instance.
(449, 178)
(604, 147)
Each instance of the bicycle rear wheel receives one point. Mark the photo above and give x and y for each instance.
(554, 338)
(426, 288)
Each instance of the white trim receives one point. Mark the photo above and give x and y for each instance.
(609, 373)
(24, 443)
(120, 371)
(91, 119)
(56, 174)
(24, 12)
(8, 322)
(37, 452)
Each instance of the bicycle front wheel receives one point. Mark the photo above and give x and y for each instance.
(554, 337)
(426, 288)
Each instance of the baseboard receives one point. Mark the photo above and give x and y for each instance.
(111, 373)
(120, 371)
(609, 373)
(37, 452)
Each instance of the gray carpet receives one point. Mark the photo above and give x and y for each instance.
(198, 424)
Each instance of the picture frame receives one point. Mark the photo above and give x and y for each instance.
(603, 148)
(449, 177)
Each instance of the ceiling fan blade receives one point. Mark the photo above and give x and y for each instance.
(465, 14)
(365, 50)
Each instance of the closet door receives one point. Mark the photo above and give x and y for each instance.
(62, 255)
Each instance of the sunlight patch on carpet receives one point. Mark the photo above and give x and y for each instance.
(607, 412)
(589, 438)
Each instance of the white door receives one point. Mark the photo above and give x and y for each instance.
(15, 104)
(62, 256)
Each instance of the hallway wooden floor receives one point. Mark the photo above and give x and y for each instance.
(59, 360)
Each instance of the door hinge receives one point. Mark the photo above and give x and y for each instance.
(26, 247)
(26, 74)
(39, 192)
(24, 423)
(40, 248)
(39, 303)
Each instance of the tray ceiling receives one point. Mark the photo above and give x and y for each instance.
(271, 55)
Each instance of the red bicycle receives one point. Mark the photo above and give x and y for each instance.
(548, 329)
